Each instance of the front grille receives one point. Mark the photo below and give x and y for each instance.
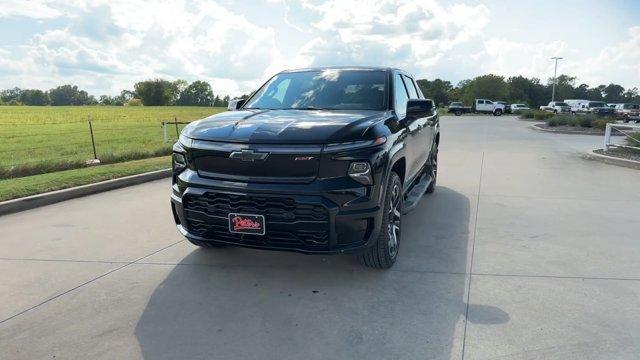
(288, 223)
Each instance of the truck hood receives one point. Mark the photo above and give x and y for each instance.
(285, 126)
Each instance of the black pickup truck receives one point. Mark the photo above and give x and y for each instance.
(323, 160)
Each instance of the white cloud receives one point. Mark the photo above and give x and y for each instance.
(410, 35)
(106, 46)
(37, 9)
(110, 42)
(618, 63)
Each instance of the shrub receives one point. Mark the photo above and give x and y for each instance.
(528, 114)
(552, 122)
(634, 139)
(134, 102)
(585, 122)
(601, 123)
(542, 115)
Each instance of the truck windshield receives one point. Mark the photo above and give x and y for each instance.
(331, 89)
(561, 104)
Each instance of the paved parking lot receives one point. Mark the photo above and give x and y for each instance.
(525, 251)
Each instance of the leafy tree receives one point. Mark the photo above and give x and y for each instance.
(564, 87)
(631, 95)
(438, 90)
(613, 93)
(68, 95)
(127, 95)
(581, 92)
(528, 91)
(225, 101)
(485, 87)
(10, 94)
(156, 92)
(34, 97)
(198, 93)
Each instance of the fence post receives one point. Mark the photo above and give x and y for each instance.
(164, 132)
(175, 121)
(607, 136)
(93, 141)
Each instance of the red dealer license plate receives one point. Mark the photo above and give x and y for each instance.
(246, 224)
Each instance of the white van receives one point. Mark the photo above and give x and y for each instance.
(576, 104)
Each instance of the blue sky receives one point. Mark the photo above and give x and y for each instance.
(106, 46)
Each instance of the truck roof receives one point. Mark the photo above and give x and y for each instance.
(345, 67)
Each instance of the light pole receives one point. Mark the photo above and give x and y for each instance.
(555, 79)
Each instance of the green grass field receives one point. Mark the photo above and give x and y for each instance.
(38, 140)
(31, 185)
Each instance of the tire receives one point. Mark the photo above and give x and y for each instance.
(206, 244)
(555, 111)
(383, 254)
(433, 168)
(497, 112)
(458, 112)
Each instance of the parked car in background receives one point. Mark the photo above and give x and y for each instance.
(458, 108)
(595, 107)
(627, 112)
(518, 108)
(507, 107)
(557, 107)
(488, 107)
(575, 104)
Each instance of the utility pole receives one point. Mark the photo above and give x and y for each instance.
(555, 79)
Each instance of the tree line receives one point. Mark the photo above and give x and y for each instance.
(155, 92)
(519, 89)
(160, 92)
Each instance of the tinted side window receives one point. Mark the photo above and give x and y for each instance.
(480, 101)
(400, 95)
(413, 94)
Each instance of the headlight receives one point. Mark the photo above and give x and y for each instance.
(179, 162)
(361, 172)
(355, 144)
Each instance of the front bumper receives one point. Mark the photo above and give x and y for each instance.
(326, 216)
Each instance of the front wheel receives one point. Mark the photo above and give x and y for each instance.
(458, 112)
(433, 169)
(497, 112)
(383, 254)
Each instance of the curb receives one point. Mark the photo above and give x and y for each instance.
(52, 197)
(591, 155)
(534, 127)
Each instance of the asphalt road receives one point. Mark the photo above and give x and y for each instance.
(525, 251)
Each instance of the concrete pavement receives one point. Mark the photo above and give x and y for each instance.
(525, 251)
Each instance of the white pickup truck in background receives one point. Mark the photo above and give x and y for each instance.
(557, 107)
(488, 106)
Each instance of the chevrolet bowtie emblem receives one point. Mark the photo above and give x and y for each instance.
(248, 155)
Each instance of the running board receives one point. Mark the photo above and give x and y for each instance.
(412, 198)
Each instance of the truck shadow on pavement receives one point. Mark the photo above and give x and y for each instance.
(235, 303)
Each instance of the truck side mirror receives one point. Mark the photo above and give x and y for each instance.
(235, 104)
(419, 108)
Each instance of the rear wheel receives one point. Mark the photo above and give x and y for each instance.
(497, 112)
(206, 244)
(458, 112)
(383, 254)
